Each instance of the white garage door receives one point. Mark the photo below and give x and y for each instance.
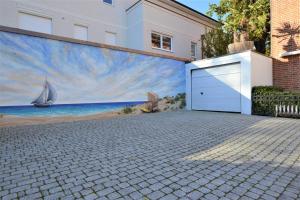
(217, 88)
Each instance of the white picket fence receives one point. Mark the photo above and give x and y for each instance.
(287, 110)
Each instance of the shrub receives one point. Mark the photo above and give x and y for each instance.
(182, 104)
(265, 89)
(264, 99)
(180, 96)
(127, 110)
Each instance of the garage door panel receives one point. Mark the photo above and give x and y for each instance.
(217, 89)
(216, 92)
(227, 69)
(216, 105)
(228, 80)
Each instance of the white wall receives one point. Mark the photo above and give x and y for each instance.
(183, 30)
(132, 26)
(262, 70)
(94, 14)
(256, 70)
(135, 27)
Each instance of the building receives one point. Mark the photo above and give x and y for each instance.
(158, 26)
(285, 43)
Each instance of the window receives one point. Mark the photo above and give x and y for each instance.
(156, 40)
(110, 38)
(80, 32)
(162, 42)
(35, 23)
(193, 49)
(108, 2)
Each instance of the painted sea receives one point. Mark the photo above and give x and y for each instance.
(66, 109)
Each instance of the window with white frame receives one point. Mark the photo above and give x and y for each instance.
(110, 38)
(33, 22)
(110, 2)
(193, 49)
(80, 32)
(160, 41)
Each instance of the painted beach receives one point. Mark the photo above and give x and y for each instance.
(25, 115)
(28, 115)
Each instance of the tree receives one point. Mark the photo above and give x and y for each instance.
(215, 42)
(246, 18)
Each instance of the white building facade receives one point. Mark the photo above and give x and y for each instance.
(157, 26)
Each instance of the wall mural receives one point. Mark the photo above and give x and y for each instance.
(44, 77)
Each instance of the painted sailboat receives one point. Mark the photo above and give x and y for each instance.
(47, 96)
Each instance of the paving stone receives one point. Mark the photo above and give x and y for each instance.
(145, 191)
(184, 155)
(169, 197)
(10, 196)
(90, 197)
(195, 195)
(156, 195)
(211, 197)
(179, 193)
(156, 186)
(113, 195)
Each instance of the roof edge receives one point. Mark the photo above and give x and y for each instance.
(195, 11)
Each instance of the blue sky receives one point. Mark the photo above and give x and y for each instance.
(199, 5)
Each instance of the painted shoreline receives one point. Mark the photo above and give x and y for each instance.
(165, 105)
(65, 110)
(14, 120)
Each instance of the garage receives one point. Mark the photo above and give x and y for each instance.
(225, 83)
(217, 88)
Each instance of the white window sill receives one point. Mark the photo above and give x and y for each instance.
(170, 51)
(290, 53)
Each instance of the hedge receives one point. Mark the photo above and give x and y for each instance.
(264, 99)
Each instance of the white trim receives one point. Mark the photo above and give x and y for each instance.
(290, 53)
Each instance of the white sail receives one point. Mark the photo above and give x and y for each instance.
(51, 93)
(47, 96)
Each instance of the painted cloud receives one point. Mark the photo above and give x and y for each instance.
(81, 74)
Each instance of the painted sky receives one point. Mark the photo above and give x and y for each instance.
(80, 73)
(199, 5)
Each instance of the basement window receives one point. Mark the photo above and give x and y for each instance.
(35, 23)
(162, 42)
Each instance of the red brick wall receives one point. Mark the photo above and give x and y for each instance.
(285, 15)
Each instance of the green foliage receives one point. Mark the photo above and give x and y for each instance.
(215, 42)
(181, 98)
(264, 99)
(265, 89)
(127, 110)
(182, 104)
(245, 16)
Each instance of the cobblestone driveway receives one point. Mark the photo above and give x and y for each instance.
(180, 155)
